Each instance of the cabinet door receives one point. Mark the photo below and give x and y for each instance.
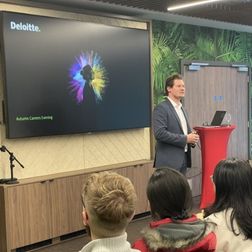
(139, 176)
(65, 200)
(27, 214)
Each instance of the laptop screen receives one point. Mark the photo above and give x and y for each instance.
(218, 118)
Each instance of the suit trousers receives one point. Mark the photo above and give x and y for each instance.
(183, 168)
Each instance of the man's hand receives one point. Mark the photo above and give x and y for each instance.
(192, 138)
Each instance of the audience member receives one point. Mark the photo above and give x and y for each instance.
(109, 201)
(173, 227)
(232, 208)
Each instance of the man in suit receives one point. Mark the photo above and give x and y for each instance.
(174, 137)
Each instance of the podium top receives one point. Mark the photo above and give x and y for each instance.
(212, 128)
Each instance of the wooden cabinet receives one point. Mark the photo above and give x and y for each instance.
(27, 214)
(44, 208)
(66, 205)
(139, 176)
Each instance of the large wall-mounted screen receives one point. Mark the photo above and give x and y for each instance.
(66, 76)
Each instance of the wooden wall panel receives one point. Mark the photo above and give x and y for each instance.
(117, 147)
(49, 155)
(44, 155)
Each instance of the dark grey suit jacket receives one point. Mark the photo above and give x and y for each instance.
(170, 138)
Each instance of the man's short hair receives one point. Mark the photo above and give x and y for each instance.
(110, 199)
(170, 81)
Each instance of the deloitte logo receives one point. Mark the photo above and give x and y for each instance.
(24, 27)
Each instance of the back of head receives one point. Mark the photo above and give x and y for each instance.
(233, 186)
(169, 194)
(110, 200)
(232, 179)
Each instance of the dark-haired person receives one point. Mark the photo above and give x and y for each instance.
(232, 208)
(109, 201)
(173, 228)
(171, 128)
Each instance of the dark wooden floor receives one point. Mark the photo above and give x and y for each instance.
(133, 231)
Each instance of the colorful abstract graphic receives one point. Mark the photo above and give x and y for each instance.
(87, 72)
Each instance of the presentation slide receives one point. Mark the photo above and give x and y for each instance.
(65, 76)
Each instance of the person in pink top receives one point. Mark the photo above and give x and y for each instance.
(173, 227)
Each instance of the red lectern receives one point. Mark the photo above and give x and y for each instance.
(214, 141)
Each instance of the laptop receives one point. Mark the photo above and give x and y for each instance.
(218, 118)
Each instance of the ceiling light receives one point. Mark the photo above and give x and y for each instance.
(181, 6)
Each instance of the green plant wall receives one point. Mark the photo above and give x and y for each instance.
(173, 42)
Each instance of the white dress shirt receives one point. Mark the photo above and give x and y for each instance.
(181, 116)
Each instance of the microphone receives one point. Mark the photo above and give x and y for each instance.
(3, 148)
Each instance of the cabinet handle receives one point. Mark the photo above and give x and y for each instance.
(44, 181)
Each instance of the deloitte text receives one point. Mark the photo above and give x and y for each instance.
(24, 27)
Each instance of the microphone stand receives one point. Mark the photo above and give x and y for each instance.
(12, 158)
